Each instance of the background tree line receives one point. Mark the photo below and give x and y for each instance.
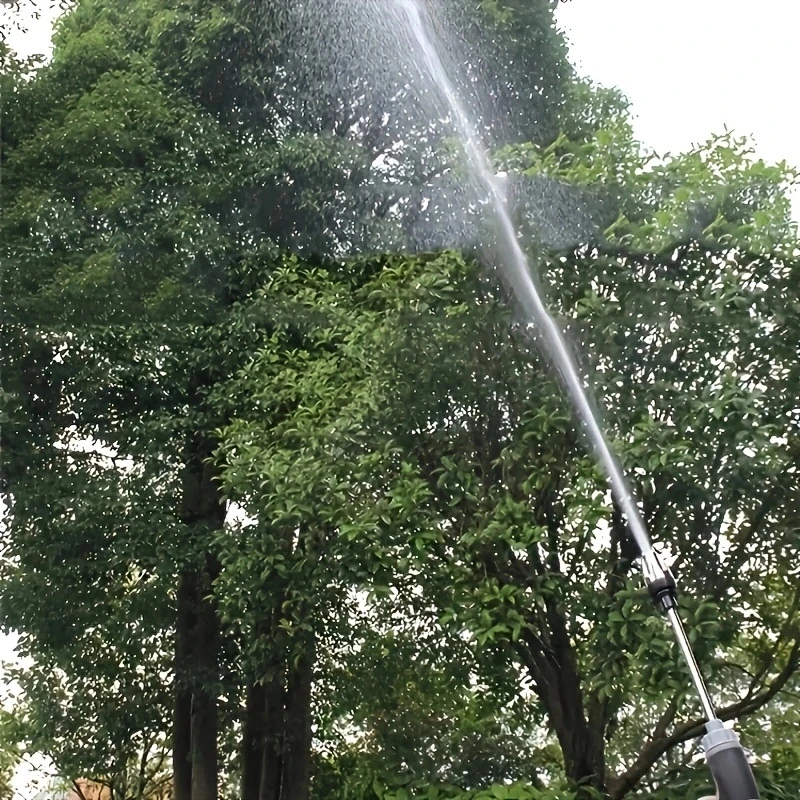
(295, 506)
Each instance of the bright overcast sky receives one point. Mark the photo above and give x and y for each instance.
(692, 67)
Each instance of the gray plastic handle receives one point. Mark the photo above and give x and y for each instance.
(728, 764)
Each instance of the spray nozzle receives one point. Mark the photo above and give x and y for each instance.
(660, 582)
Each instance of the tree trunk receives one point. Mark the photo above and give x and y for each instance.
(203, 512)
(584, 757)
(182, 719)
(253, 741)
(205, 717)
(583, 745)
(548, 654)
(272, 761)
(550, 660)
(297, 732)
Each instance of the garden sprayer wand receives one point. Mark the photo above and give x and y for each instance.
(724, 753)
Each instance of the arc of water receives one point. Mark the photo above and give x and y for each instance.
(515, 263)
(517, 271)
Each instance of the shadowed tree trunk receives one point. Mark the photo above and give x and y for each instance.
(547, 652)
(276, 748)
(182, 719)
(286, 744)
(558, 686)
(198, 633)
(296, 781)
(205, 715)
(253, 741)
(272, 760)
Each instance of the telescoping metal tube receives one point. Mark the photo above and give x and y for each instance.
(725, 755)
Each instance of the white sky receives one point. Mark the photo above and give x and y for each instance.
(692, 67)
(689, 67)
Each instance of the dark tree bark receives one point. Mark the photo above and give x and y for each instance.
(198, 632)
(278, 713)
(205, 716)
(584, 744)
(272, 761)
(297, 732)
(552, 666)
(550, 658)
(561, 698)
(182, 713)
(253, 732)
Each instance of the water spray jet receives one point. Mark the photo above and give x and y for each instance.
(724, 753)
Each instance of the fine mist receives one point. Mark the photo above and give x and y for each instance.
(513, 261)
(359, 64)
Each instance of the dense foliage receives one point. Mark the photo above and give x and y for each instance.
(299, 505)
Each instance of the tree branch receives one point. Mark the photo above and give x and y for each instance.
(658, 745)
(782, 637)
(78, 790)
(142, 778)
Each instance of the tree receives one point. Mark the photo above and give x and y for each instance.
(9, 754)
(166, 357)
(166, 131)
(101, 258)
(428, 432)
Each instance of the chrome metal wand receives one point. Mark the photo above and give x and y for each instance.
(725, 755)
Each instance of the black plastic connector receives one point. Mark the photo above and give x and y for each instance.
(660, 583)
